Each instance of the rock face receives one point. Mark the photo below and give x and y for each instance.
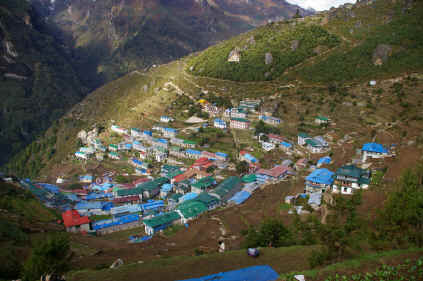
(294, 45)
(234, 55)
(381, 54)
(268, 58)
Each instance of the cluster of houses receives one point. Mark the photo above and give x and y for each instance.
(182, 193)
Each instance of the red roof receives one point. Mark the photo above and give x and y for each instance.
(301, 162)
(139, 181)
(127, 185)
(80, 191)
(274, 172)
(207, 155)
(72, 218)
(277, 137)
(242, 152)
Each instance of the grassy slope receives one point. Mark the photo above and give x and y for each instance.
(283, 260)
(361, 29)
(371, 27)
(274, 38)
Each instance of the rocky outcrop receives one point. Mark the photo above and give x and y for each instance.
(268, 58)
(235, 55)
(381, 54)
(294, 45)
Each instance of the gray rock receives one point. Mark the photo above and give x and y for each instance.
(381, 54)
(234, 55)
(117, 263)
(295, 44)
(268, 58)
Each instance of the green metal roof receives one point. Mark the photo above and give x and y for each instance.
(249, 178)
(190, 142)
(162, 220)
(303, 135)
(192, 208)
(113, 145)
(207, 199)
(311, 142)
(130, 192)
(227, 185)
(323, 118)
(150, 185)
(240, 120)
(204, 183)
(174, 173)
(176, 196)
(352, 171)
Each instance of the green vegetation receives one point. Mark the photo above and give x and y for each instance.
(274, 38)
(49, 256)
(405, 36)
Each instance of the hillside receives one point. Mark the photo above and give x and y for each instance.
(116, 37)
(38, 82)
(22, 218)
(352, 42)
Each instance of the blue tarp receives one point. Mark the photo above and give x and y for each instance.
(102, 187)
(322, 176)
(117, 221)
(50, 187)
(374, 147)
(136, 161)
(252, 273)
(148, 133)
(324, 160)
(240, 197)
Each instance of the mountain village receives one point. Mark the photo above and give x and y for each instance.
(177, 179)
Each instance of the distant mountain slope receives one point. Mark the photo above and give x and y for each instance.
(121, 36)
(37, 80)
(371, 38)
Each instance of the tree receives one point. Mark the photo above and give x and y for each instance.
(50, 256)
(272, 233)
(242, 167)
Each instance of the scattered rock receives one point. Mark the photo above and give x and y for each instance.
(268, 58)
(117, 263)
(295, 44)
(381, 54)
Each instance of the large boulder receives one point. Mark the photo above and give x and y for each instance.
(381, 54)
(268, 58)
(295, 44)
(234, 55)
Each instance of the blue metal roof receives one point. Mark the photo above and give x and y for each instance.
(163, 141)
(136, 161)
(152, 205)
(129, 208)
(166, 187)
(150, 133)
(192, 151)
(50, 187)
(240, 197)
(221, 154)
(250, 158)
(323, 176)
(286, 144)
(117, 221)
(88, 205)
(324, 160)
(188, 196)
(374, 147)
(172, 130)
(252, 273)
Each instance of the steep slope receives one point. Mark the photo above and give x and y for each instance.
(37, 84)
(371, 38)
(121, 36)
(21, 216)
(138, 99)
